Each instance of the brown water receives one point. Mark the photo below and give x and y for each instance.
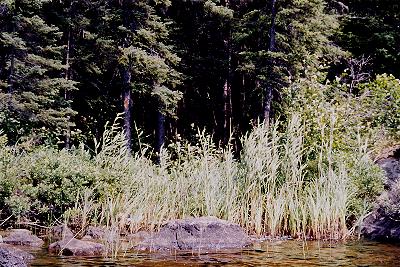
(280, 253)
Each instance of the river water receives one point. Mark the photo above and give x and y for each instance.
(268, 253)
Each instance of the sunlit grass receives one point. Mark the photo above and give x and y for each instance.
(265, 190)
(277, 186)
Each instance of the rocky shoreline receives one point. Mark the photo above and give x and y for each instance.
(203, 234)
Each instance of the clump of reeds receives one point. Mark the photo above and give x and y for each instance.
(269, 190)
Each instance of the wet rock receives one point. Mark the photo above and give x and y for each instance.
(23, 237)
(1, 239)
(13, 257)
(60, 232)
(75, 247)
(200, 234)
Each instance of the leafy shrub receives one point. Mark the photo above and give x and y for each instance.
(44, 182)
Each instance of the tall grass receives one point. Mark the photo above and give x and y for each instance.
(281, 184)
(269, 190)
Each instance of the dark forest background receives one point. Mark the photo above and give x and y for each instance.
(68, 67)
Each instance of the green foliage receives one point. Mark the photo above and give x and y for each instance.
(371, 28)
(382, 101)
(43, 183)
(32, 87)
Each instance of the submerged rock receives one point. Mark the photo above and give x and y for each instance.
(23, 237)
(76, 247)
(200, 234)
(13, 257)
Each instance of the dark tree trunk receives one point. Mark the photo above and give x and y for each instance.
(11, 74)
(126, 94)
(160, 131)
(268, 88)
(127, 75)
(12, 57)
(227, 90)
(67, 77)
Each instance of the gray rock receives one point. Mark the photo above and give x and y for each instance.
(96, 232)
(13, 257)
(392, 168)
(75, 247)
(389, 161)
(23, 237)
(60, 232)
(138, 237)
(200, 234)
(383, 224)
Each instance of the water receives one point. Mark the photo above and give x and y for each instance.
(279, 253)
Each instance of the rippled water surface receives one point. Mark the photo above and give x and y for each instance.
(282, 253)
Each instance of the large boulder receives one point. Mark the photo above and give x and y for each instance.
(60, 232)
(138, 237)
(13, 257)
(389, 161)
(23, 237)
(75, 247)
(383, 224)
(200, 234)
(95, 232)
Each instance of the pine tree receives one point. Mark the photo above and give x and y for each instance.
(204, 38)
(370, 28)
(284, 40)
(32, 82)
(135, 39)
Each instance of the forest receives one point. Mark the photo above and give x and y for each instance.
(128, 113)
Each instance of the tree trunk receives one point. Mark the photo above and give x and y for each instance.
(227, 96)
(268, 88)
(67, 77)
(11, 74)
(127, 76)
(126, 94)
(12, 56)
(227, 92)
(160, 131)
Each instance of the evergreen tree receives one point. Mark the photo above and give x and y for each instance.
(134, 41)
(284, 40)
(33, 86)
(370, 28)
(203, 37)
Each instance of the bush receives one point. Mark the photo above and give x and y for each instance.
(42, 184)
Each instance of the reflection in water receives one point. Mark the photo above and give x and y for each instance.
(287, 253)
